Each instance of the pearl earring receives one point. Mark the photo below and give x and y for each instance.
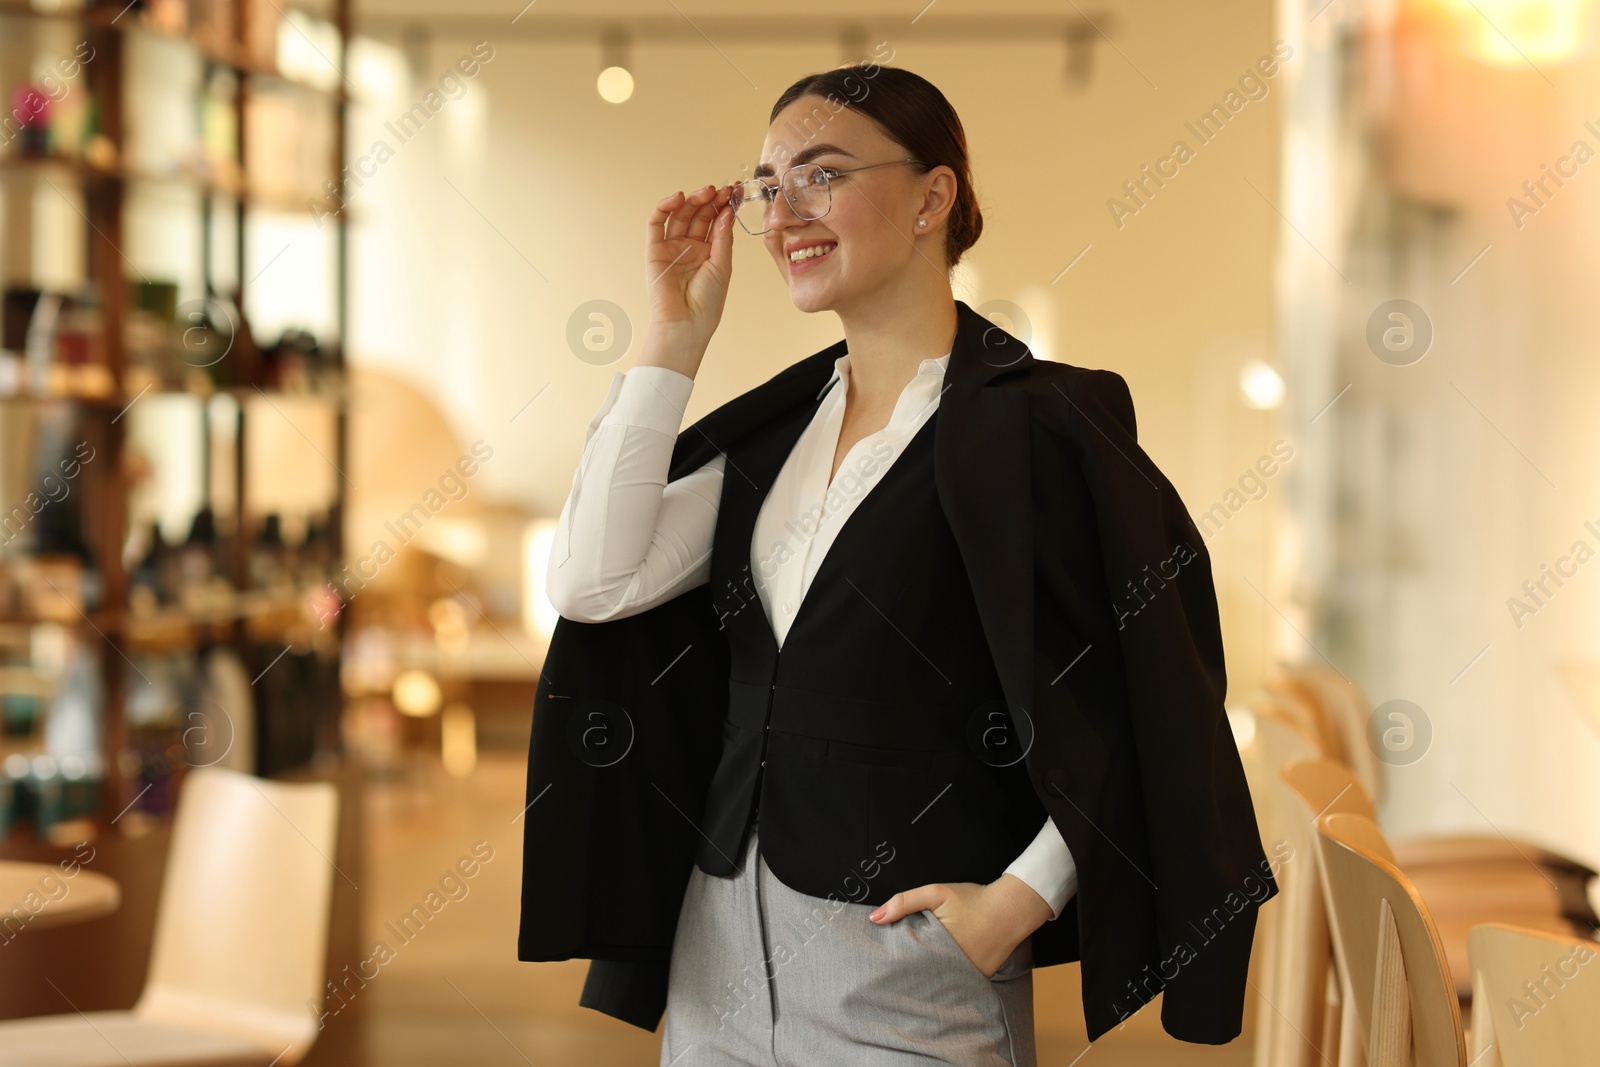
(922, 222)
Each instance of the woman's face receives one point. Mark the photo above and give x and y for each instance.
(870, 233)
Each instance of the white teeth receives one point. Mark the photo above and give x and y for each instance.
(812, 252)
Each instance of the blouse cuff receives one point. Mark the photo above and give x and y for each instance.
(651, 397)
(1048, 868)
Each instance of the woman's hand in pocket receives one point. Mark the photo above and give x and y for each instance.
(987, 921)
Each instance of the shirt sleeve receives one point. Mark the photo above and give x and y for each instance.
(628, 539)
(1048, 868)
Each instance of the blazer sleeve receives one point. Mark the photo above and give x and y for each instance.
(1205, 846)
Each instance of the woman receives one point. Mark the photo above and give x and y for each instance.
(874, 855)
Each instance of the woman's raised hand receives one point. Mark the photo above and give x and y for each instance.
(689, 262)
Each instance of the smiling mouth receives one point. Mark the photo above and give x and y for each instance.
(806, 255)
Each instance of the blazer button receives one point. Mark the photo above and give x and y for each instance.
(1055, 781)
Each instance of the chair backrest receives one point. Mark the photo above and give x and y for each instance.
(1302, 701)
(241, 935)
(1341, 710)
(1553, 1023)
(1402, 993)
(1321, 786)
(1267, 739)
(1290, 703)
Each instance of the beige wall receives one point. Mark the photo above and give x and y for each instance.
(1465, 474)
(1433, 511)
(1175, 300)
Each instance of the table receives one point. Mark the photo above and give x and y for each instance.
(36, 896)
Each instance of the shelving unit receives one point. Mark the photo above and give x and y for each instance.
(86, 172)
(102, 402)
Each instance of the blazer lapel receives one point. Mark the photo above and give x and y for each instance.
(984, 481)
(981, 471)
(712, 435)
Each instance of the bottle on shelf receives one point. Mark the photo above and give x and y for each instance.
(269, 558)
(223, 725)
(148, 335)
(300, 363)
(80, 346)
(144, 579)
(30, 111)
(72, 739)
(156, 581)
(203, 584)
(153, 757)
(316, 554)
(217, 344)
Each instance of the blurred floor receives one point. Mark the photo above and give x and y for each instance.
(455, 993)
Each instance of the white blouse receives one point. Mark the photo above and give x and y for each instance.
(628, 539)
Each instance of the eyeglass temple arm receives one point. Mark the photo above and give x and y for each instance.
(831, 170)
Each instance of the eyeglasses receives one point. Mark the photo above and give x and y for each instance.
(806, 187)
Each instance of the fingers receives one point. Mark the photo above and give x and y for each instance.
(904, 903)
(656, 226)
(661, 213)
(722, 240)
(683, 221)
(696, 213)
(669, 217)
(700, 226)
(688, 215)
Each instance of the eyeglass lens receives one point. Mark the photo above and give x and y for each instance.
(805, 185)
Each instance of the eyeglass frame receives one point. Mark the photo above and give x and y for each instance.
(829, 173)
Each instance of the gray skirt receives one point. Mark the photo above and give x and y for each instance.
(765, 976)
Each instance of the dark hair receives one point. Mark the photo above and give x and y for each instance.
(916, 115)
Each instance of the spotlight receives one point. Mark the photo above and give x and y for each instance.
(1261, 384)
(416, 694)
(615, 83)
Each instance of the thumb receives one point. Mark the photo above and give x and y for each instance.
(908, 901)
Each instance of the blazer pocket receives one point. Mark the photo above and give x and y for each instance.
(943, 811)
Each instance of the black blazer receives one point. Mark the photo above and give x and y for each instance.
(1096, 596)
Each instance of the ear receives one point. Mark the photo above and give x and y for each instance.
(939, 195)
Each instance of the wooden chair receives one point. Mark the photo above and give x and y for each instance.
(1557, 1022)
(1320, 786)
(1464, 883)
(1401, 994)
(241, 938)
(1335, 711)
(1267, 740)
(1338, 710)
